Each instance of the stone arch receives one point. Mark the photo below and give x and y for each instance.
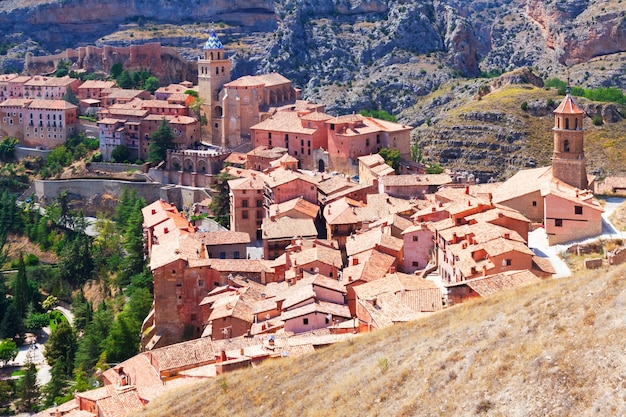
(321, 166)
(566, 145)
(176, 165)
(188, 166)
(217, 111)
(202, 166)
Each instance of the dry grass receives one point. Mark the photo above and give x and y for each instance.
(553, 349)
(618, 218)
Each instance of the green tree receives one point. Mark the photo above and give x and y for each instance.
(434, 168)
(120, 153)
(151, 84)
(392, 157)
(6, 392)
(161, 141)
(7, 148)
(116, 70)
(8, 351)
(124, 80)
(379, 114)
(82, 311)
(76, 263)
(61, 346)
(417, 155)
(28, 390)
(11, 325)
(50, 303)
(70, 97)
(134, 261)
(122, 342)
(36, 321)
(54, 390)
(220, 204)
(21, 296)
(91, 346)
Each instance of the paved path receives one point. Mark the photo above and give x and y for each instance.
(538, 241)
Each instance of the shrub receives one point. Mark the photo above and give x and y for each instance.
(524, 106)
(597, 120)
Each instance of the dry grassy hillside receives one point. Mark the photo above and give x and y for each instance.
(556, 349)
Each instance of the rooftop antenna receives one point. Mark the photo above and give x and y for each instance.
(568, 89)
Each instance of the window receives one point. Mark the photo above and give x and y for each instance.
(566, 146)
(305, 321)
(222, 255)
(377, 139)
(507, 262)
(269, 135)
(534, 204)
(244, 214)
(327, 320)
(200, 283)
(367, 142)
(259, 214)
(236, 254)
(415, 238)
(416, 264)
(286, 137)
(332, 126)
(578, 209)
(244, 203)
(558, 222)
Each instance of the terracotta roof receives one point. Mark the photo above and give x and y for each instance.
(268, 80)
(371, 265)
(336, 310)
(110, 121)
(287, 227)
(184, 247)
(297, 294)
(285, 122)
(543, 265)
(371, 160)
(393, 283)
(238, 306)
(315, 116)
(186, 354)
(122, 93)
(393, 220)
(280, 176)
(43, 81)
(416, 180)
(156, 212)
(227, 237)
(496, 213)
(494, 284)
(565, 191)
(253, 182)
(7, 77)
(96, 84)
(386, 309)
(522, 183)
(20, 79)
(383, 170)
(147, 104)
(173, 88)
(332, 184)
(372, 239)
(16, 102)
(342, 211)
(299, 205)
(236, 158)
(120, 405)
(51, 105)
(269, 153)
(320, 253)
(234, 265)
(568, 106)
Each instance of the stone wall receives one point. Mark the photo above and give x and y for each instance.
(593, 263)
(617, 256)
(111, 167)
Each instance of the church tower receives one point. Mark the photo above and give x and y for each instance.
(213, 73)
(568, 158)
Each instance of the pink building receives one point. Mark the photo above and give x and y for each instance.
(92, 89)
(50, 88)
(15, 86)
(246, 205)
(46, 123)
(4, 85)
(283, 185)
(417, 247)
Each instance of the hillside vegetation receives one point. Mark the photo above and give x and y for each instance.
(555, 349)
(495, 127)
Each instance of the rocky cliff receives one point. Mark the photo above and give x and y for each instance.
(354, 54)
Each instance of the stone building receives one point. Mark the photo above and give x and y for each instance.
(232, 107)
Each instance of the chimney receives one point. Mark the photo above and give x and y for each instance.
(454, 238)
(507, 235)
(392, 270)
(469, 203)
(434, 209)
(153, 211)
(222, 356)
(484, 270)
(165, 230)
(467, 189)
(355, 261)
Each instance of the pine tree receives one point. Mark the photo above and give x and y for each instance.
(28, 390)
(220, 204)
(11, 325)
(134, 262)
(61, 347)
(56, 387)
(20, 289)
(161, 141)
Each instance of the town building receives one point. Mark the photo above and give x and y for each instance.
(558, 196)
(45, 123)
(233, 107)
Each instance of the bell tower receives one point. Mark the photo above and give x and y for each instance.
(213, 73)
(568, 157)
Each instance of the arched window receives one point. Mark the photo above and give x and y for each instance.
(567, 123)
(576, 124)
(217, 71)
(566, 145)
(211, 55)
(222, 70)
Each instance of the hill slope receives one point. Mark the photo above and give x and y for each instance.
(555, 349)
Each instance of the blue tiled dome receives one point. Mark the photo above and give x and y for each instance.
(213, 42)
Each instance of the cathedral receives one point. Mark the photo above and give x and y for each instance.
(232, 107)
